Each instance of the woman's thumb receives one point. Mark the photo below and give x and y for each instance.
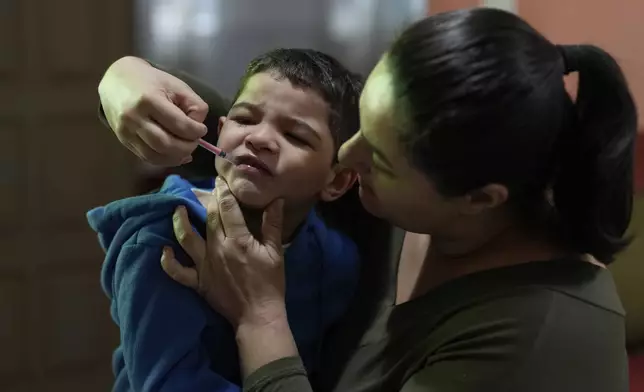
(272, 223)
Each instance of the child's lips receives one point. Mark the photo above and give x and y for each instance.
(253, 170)
(252, 165)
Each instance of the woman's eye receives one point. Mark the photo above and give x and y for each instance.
(379, 167)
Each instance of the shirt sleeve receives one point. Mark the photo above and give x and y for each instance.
(283, 375)
(161, 324)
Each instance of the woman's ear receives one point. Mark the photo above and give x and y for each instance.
(340, 180)
(484, 199)
(222, 121)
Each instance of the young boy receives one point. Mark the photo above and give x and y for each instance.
(292, 112)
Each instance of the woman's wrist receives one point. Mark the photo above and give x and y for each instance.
(269, 312)
(263, 338)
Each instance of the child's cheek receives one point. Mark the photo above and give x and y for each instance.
(232, 137)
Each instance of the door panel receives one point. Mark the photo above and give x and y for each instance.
(56, 162)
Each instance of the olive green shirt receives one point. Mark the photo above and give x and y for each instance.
(552, 326)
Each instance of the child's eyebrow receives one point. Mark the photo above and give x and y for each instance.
(246, 105)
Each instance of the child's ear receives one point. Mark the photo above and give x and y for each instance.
(222, 121)
(341, 179)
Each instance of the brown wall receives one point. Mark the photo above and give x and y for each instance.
(614, 25)
(56, 162)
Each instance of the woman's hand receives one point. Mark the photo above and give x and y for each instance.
(154, 114)
(240, 277)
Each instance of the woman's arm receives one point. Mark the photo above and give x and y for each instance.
(265, 342)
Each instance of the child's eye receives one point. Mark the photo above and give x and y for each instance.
(243, 120)
(297, 139)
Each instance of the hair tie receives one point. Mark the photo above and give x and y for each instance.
(570, 57)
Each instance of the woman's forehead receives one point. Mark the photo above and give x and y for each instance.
(378, 93)
(377, 108)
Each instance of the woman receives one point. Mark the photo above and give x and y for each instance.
(467, 135)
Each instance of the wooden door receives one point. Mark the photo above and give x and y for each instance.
(56, 162)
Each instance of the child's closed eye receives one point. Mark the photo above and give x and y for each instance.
(244, 120)
(297, 139)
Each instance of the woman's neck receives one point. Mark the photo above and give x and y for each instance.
(450, 257)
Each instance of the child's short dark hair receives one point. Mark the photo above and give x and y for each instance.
(307, 68)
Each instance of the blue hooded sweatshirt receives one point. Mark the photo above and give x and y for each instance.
(171, 340)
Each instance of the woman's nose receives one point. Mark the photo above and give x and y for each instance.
(355, 154)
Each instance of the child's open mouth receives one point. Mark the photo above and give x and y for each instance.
(252, 165)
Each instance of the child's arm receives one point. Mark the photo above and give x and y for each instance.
(161, 325)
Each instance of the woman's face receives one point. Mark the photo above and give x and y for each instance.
(390, 187)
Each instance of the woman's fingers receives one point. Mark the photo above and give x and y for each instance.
(272, 224)
(140, 148)
(176, 121)
(171, 148)
(215, 230)
(190, 241)
(230, 215)
(155, 114)
(187, 276)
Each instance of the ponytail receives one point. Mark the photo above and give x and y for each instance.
(593, 190)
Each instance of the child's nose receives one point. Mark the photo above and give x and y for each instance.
(262, 138)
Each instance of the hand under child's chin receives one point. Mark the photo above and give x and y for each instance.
(250, 195)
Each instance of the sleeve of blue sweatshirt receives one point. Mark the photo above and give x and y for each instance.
(161, 323)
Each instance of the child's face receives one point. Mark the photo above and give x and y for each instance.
(284, 131)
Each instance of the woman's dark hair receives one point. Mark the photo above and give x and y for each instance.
(482, 100)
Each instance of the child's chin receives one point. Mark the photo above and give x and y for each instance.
(251, 199)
